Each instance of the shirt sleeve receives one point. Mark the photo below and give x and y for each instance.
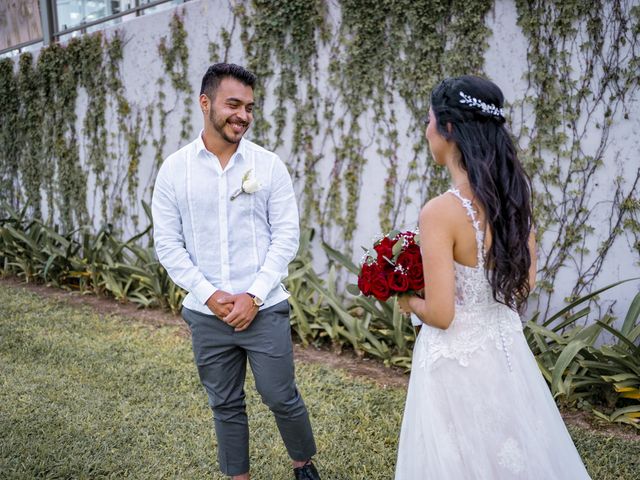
(285, 233)
(169, 242)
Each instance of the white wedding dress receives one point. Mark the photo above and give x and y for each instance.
(478, 406)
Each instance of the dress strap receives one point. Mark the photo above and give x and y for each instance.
(466, 203)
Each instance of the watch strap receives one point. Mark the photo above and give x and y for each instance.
(258, 302)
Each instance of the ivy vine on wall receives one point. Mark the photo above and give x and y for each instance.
(572, 106)
(396, 48)
(336, 77)
(174, 54)
(46, 161)
(281, 42)
(9, 143)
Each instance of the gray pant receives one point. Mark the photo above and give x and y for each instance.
(221, 356)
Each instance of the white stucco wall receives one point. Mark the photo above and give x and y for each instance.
(505, 63)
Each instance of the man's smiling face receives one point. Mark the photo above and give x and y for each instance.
(231, 110)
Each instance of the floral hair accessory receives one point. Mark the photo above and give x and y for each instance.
(489, 108)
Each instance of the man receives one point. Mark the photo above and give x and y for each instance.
(226, 227)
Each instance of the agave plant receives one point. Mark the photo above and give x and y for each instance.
(578, 371)
(308, 314)
(87, 261)
(34, 251)
(576, 368)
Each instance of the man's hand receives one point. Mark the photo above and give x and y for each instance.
(242, 313)
(219, 308)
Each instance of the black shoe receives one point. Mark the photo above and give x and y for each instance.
(306, 472)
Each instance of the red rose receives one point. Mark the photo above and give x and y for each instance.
(386, 268)
(364, 285)
(406, 260)
(380, 288)
(385, 249)
(413, 250)
(364, 279)
(399, 282)
(416, 277)
(410, 257)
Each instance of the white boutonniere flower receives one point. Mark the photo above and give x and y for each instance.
(249, 185)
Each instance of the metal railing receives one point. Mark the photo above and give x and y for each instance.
(50, 28)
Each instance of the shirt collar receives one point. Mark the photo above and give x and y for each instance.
(241, 151)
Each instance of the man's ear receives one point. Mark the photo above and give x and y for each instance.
(205, 103)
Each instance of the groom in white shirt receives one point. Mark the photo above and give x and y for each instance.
(225, 228)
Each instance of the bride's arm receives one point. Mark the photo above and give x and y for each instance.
(436, 244)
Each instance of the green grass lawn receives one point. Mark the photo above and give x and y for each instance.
(90, 396)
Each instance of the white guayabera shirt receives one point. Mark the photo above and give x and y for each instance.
(208, 242)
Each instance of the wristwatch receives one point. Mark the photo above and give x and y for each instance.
(258, 302)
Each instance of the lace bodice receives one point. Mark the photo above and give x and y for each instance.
(479, 319)
(472, 287)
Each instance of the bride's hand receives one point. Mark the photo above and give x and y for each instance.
(403, 303)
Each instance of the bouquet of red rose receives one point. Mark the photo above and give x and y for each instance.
(393, 266)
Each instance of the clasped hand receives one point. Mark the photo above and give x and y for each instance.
(237, 310)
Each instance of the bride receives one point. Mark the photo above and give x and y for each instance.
(477, 405)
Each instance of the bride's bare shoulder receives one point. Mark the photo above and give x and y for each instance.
(443, 208)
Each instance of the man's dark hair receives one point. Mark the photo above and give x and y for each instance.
(218, 71)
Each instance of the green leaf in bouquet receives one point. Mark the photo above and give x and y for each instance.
(393, 234)
(390, 261)
(396, 249)
(353, 289)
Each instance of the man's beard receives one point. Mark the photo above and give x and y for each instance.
(218, 124)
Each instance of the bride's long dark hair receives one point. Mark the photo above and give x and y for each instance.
(468, 111)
